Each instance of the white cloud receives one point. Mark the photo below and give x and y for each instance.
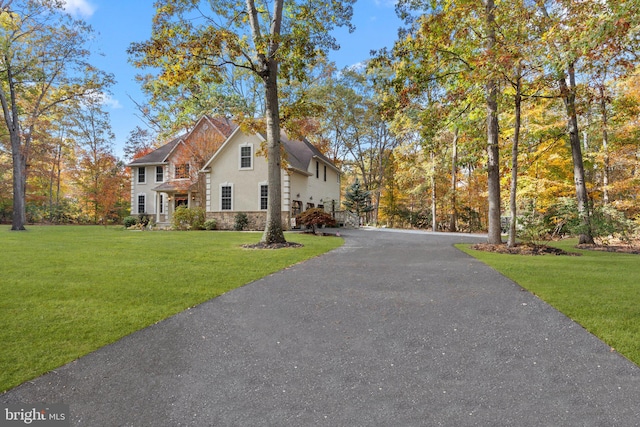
(385, 3)
(111, 102)
(103, 99)
(81, 8)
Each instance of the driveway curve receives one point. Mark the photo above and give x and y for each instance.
(392, 329)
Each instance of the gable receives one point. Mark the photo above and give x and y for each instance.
(206, 137)
(233, 138)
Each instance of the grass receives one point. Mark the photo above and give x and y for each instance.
(599, 290)
(67, 291)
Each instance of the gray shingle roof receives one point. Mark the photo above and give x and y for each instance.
(300, 153)
(157, 156)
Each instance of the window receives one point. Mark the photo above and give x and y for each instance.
(141, 175)
(225, 198)
(325, 173)
(182, 171)
(159, 173)
(246, 157)
(310, 206)
(264, 196)
(317, 169)
(162, 203)
(141, 203)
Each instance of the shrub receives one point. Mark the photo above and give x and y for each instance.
(533, 228)
(197, 222)
(210, 224)
(241, 221)
(144, 219)
(315, 217)
(185, 218)
(130, 221)
(606, 222)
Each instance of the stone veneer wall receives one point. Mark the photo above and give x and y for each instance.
(257, 220)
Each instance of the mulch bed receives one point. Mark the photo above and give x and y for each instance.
(522, 249)
(273, 245)
(529, 249)
(626, 249)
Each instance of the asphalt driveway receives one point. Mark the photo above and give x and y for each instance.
(392, 329)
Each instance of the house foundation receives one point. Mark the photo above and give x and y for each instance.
(257, 220)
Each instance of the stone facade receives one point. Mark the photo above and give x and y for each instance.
(257, 220)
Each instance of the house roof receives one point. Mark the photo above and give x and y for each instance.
(175, 186)
(157, 156)
(223, 125)
(300, 154)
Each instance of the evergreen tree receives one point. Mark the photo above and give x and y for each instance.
(357, 199)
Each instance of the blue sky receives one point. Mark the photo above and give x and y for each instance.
(118, 23)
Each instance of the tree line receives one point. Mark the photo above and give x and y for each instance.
(486, 114)
(56, 146)
(483, 115)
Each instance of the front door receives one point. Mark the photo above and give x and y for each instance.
(181, 200)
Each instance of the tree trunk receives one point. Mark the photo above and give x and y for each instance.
(434, 220)
(605, 146)
(514, 162)
(19, 183)
(569, 98)
(18, 151)
(453, 220)
(268, 71)
(273, 232)
(493, 150)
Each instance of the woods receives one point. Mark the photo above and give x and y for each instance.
(548, 83)
(46, 85)
(483, 116)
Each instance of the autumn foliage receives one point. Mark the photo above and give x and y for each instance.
(315, 217)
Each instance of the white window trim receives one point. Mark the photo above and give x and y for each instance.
(164, 172)
(175, 171)
(226, 184)
(246, 144)
(144, 168)
(138, 202)
(260, 184)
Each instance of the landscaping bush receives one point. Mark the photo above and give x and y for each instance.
(144, 219)
(241, 221)
(130, 221)
(606, 222)
(312, 218)
(210, 224)
(185, 218)
(533, 228)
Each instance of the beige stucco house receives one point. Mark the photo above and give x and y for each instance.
(216, 166)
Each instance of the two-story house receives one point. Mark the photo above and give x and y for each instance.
(216, 166)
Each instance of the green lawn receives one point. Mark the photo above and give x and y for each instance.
(66, 291)
(599, 290)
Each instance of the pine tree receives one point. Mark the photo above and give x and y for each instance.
(357, 199)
